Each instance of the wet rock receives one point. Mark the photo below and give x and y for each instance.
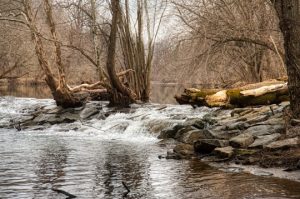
(195, 122)
(167, 142)
(237, 126)
(244, 152)
(240, 111)
(220, 134)
(55, 119)
(200, 124)
(208, 145)
(208, 118)
(284, 144)
(182, 132)
(88, 112)
(261, 130)
(173, 155)
(191, 136)
(273, 121)
(184, 150)
(224, 152)
(170, 133)
(257, 119)
(158, 125)
(241, 141)
(295, 122)
(262, 141)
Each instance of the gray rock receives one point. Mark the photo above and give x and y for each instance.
(191, 136)
(167, 142)
(183, 131)
(196, 122)
(184, 149)
(237, 126)
(262, 141)
(224, 152)
(261, 130)
(284, 144)
(216, 134)
(88, 112)
(273, 121)
(173, 155)
(64, 117)
(208, 145)
(241, 141)
(257, 119)
(170, 133)
(295, 122)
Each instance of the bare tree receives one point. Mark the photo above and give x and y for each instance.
(228, 40)
(57, 83)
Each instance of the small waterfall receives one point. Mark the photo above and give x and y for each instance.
(140, 123)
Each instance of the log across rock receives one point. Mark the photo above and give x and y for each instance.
(264, 93)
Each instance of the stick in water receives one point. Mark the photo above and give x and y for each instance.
(126, 187)
(64, 192)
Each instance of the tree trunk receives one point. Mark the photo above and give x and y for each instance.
(120, 95)
(264, 93)
(58, 87)
(289, 15)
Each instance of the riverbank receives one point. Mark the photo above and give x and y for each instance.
(261, 136)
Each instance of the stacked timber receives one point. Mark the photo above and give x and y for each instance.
(264, 93)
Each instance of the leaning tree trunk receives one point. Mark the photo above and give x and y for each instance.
(120, 95)
(289, 16)
(59, 89)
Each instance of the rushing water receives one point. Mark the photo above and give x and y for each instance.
(93, 159)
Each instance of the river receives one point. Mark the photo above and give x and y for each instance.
(92, 159)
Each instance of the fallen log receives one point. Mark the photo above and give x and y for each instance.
(264, 93)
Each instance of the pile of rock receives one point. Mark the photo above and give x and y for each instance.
(227, 134)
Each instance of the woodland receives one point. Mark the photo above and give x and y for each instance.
(112, 50)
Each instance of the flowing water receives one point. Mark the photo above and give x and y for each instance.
(93, 159)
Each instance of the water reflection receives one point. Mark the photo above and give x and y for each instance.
(90, 167)
(40, 91)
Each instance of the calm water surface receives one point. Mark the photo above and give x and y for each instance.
(93, 160)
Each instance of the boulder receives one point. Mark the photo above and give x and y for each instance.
(88, 112)
(170, 133)
(181, 133)
(195, 122)
(185, 150)
(224, 152)
(208, 145)
(284, 144)
(241, 141)
(261, 130)
(55, 119)
(191, 136)
(220, 134)
(264, 140)
(167, 142)
(237, 126)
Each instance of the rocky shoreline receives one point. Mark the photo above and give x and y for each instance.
(260, 136)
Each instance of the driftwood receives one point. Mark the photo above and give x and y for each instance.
(264, 93)
(97, 85)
